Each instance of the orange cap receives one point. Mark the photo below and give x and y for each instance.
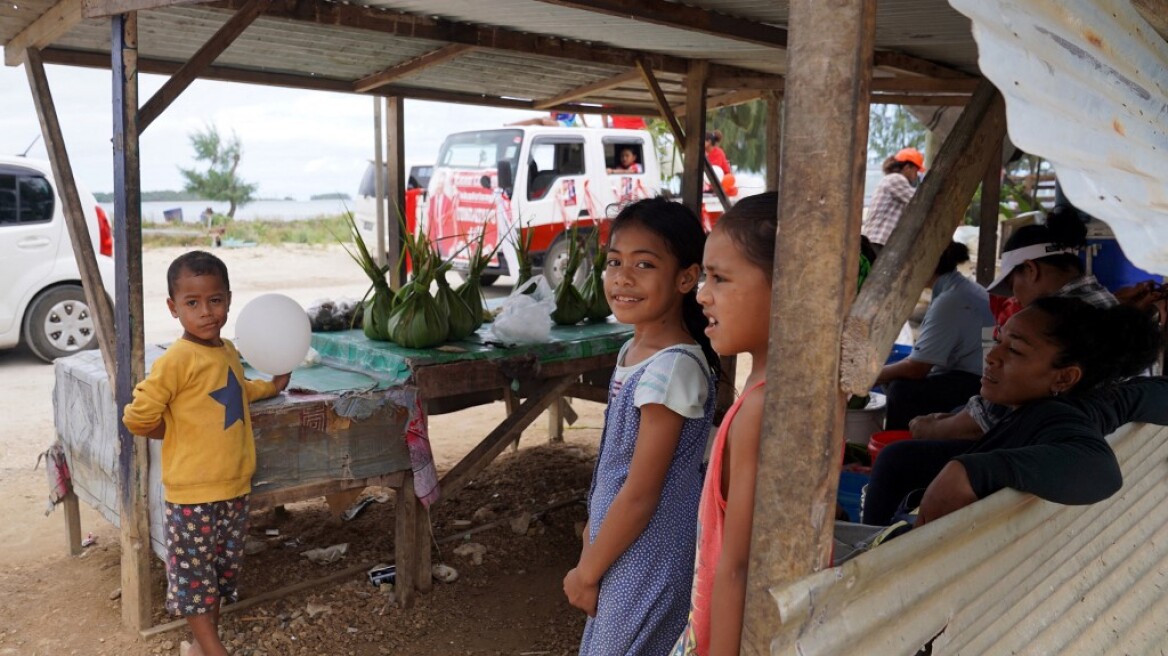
(911, 156)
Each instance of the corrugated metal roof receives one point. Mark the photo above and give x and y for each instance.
(1011, 574)
(1086, 87)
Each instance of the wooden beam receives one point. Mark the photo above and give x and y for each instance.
(987, 232)
(397, 23)
(1156, 13)
(47, 28)
(199, 62)
(133, 451)
(99, 303)
(505, 433)
(925, 229)
(919, 100)
(227, 74)
(737, 82)
(774, 139)
(694, 145)
(405, 543)
(898, 61)
(817, 247)
(409, 67)
(683, 17)
(663, 107)
(923, 85)
(106, 8)
(395, 187)
(590, 89)
(726, 100)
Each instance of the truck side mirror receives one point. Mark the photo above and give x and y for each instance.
(506, 176)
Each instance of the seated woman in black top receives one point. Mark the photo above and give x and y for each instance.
(1056, 365)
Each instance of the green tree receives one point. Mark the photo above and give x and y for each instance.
(890, 128)
(743, 130)
(220, 181)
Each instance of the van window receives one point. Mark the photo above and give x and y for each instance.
(25, 199)
(418, 176)
(550, 159)
(613, 148)
(481, 150)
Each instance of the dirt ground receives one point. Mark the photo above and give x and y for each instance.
(511, 603)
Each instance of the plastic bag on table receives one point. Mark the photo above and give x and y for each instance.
(526, 318)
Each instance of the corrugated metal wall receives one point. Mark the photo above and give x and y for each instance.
(1086, 86)
(1011, 574)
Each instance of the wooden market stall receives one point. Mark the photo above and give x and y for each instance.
(822, 63)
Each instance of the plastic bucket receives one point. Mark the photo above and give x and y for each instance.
(859, 424)
(882, 439)
(851, 485)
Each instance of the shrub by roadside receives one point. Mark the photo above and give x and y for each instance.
(321, 230)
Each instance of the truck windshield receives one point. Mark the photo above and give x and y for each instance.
(481, 150)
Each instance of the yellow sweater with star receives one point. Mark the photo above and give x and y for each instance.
(208, 452)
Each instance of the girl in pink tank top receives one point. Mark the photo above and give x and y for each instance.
(735, 298)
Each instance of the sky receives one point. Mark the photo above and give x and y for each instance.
(295, 143)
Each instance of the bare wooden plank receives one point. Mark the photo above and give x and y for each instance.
(924, 85)
(1156, 13)
(589, 89)
(408, 68)
(947, 100)
(262, 499)
(899, 61)
(663, 107)
(739, 82)
(683, 17)
(774, 139)
(133, 452)
(405, 542)
(555, 421)
(104, 8)
(494, 443)
(423, 540)
(395, 191)
(987, 233)
(47, 28)
(72, 523)
(925, 228)
(694, 145)
(817, 247)
(199, 62)
(100, 306)
(446, 380)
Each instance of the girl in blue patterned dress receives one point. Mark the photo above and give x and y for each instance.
(636, 565)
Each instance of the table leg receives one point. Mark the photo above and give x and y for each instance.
(72, 523)
(425, 580)
(556, 420)
(512, 402)
(405, 542)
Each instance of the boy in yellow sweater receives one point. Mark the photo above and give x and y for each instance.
(195, 400)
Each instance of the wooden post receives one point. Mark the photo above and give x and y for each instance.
(379, 180)
(72, 523)
(395, 160)
(695, 130)
(405, 542)
(987, 230)
(925, 229)
(814, 280)
(133, 454)
(774, 138)
(100, 307)
(555, 421)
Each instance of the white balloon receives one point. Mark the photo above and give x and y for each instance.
(273, 333)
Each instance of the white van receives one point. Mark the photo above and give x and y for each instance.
(365, 205)
(42, 302)
(537, 181)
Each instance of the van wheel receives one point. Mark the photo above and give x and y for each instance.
(59, 323)
(556, 261)
(488, 279)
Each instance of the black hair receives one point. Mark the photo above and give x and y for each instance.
(752, 225)
(682, 233)
(955, 253)
(1064, 229)
(893, 165)
(197, 263)
(714, 136)
(1106, 343)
